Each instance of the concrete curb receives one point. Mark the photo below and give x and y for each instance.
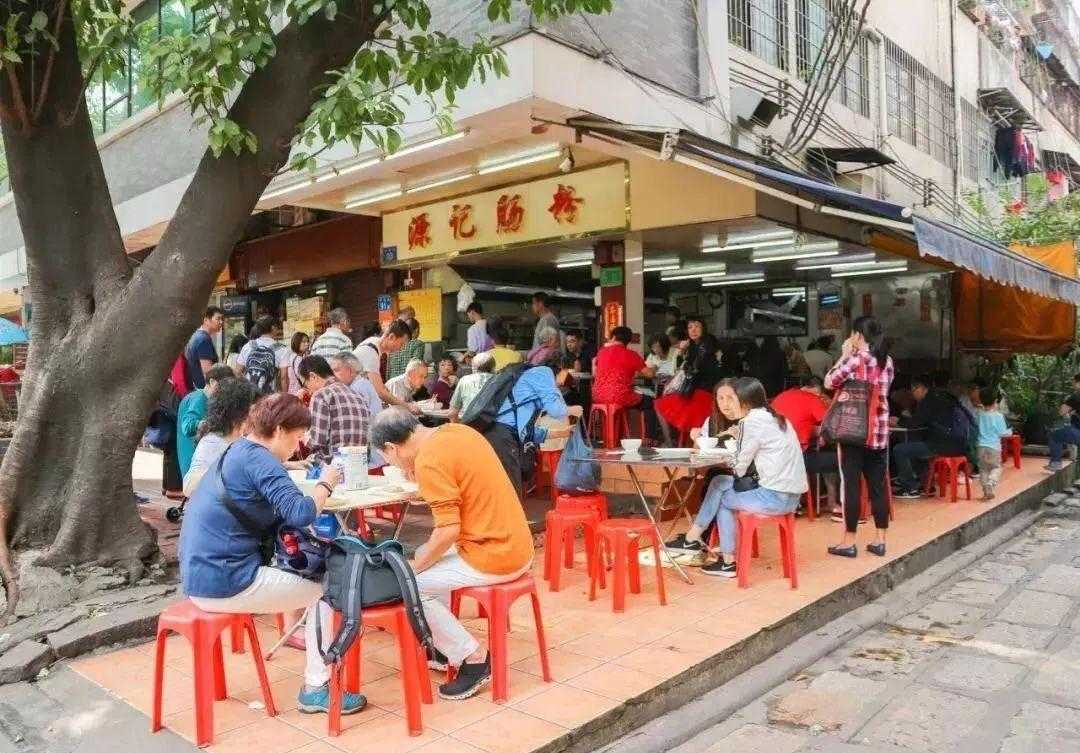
(707, 693)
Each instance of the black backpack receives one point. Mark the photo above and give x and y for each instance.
(260, 368)
(362, 574)
(484, 408)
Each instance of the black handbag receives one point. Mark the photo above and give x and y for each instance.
(749, 480)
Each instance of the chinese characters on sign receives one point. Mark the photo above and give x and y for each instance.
(613, 317)
(461, 221)
(419, 231)
(564, 204)
(509, 214)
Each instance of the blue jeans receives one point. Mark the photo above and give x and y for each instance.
(904, 457)
(721, 502)
(1060, 439)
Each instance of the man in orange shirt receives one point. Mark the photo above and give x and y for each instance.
(481, 536)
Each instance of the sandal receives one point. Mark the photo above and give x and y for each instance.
(844, 551)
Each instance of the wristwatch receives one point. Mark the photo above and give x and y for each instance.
(324, 485)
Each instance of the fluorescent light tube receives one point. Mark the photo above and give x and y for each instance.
(572, 264)
(874, 271)
(762, 258)
(741, 245)
(372, 198)
(430, 143)
(287, 189)
(742, 281)
(518, 162)
(350, 169)
(663, 268)
(690, 275)
(440, 182)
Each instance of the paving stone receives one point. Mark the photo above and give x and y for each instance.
(978, 673)
(1029, 550)
(979, 593)
(1058, 579)
(755, 738)
(24, 661)
(926, 719)
(37, 627)
(1058, 678)
(828, 702)
(881, 654)
(1036, 608)
(944, 618)
(130, 621)
(1043, 728)
(1058, 529)
(1011, 636)
(109, 599)
(998, 572)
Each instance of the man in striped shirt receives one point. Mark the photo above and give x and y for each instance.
(336, 337)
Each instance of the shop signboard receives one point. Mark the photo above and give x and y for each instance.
(427, 302)
(575, 204)
(613, 317)
(611, 277)
(385, 306)
(235, 305)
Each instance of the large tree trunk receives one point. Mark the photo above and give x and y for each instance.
(102, 333)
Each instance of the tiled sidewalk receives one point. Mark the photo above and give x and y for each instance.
(599, 659)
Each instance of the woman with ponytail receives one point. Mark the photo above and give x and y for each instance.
(865, 357)
(769, 473)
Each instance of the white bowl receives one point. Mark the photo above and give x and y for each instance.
(393, 474)
(707, 443)
(631, 445)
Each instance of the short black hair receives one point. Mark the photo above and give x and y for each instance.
(229, 406)
(297, 338)
(623, 335)
(220, 373)
(543, 297)
(372, 329)
(812, 381)
(979, 382)
(212, 311)
(922, 380)
(399, 328)
(450, 359)
(662, 340)
(497, 331)
(314, 365)
(237, 343)
(989, 396)
(941, 380)
(474, 306)
(264, 326)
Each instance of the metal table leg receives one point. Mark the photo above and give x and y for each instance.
(401, 521)
(648, 511)
(288, 634)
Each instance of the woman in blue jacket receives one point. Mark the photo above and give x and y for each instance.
(246, 495)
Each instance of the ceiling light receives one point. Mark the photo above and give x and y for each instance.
(664, 268)
(741, 245)
(733, 281)
(850, 260)
(373, 198)
(874, 271)
(690, 273)
(430, 143)
(761, 258)
(337, 173)
(287, 189)
(527, 159)
(572, 264)
(281, 285)
(440, 182)
(788, 291)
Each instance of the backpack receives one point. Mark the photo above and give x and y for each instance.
(484, 408)
(261, 367)
(961, 424)
(360, 574)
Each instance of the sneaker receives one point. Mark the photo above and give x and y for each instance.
(437, 660)
(907, 494)
(468, 682)
(721, 568)
(318, 701)
(680, 542)
(1054, 467)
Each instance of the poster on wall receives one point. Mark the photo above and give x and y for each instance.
(768, 311)
(427, 302)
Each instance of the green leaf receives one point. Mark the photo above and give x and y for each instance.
(39, 21)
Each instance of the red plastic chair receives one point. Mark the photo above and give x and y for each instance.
(620, 537)
(495, 603)
(611, 415)
(236, 633)
(714, 542)
(561, 527)
(415, 680)
(748, 524)
(945, 472)
(1012, 446)
(591, 501)
(864, 499)
(203, 631)
(546, 463)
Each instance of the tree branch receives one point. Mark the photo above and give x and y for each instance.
(47, 75)
(17, 98)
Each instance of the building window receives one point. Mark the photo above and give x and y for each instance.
(760, 27)
(977, 142)
(812, 19)
(920, 105)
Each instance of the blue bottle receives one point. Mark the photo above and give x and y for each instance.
(326, 526)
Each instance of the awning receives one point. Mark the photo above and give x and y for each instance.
(994, 262)
(936, 238)
(1005, 109)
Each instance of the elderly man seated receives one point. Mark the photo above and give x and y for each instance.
(481, 536)
(409, 387)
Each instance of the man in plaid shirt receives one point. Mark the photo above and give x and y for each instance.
(339, 416)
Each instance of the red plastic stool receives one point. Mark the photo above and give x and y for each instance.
(561, 527)
(946, 472)
(415, 680)
(864, 499)
(620, 536)
(203, 631)
(546, 462)
(611, 414)
(495, 603)
(1011, 446)
(748, 524)
(591, 501)
(236, 633)
(714, 542)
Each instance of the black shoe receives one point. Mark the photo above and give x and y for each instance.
(468, 682)
(437, 660)
(844, 551)
(680, 542)
(721, 568)
(907, 494)
(878, 549)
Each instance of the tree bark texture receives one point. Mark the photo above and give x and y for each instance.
(104, 333)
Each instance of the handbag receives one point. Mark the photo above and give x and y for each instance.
(676, 383)
(849, 418)
(749, 480)
(576, 471)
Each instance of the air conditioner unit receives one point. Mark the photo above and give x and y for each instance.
(753, 107)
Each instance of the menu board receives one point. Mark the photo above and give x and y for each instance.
(428, 305)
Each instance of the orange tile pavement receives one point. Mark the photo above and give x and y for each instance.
(598, 659)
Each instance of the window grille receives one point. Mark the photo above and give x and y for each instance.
(977, 142)
(920, 105)
(760, 27)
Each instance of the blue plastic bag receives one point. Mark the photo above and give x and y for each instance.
(575, 472)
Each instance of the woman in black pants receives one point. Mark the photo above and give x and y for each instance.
(865, 357)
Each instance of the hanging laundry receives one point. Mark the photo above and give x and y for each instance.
(1057, 185)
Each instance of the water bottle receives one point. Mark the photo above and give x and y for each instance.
(314, 470)
(326, 526)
